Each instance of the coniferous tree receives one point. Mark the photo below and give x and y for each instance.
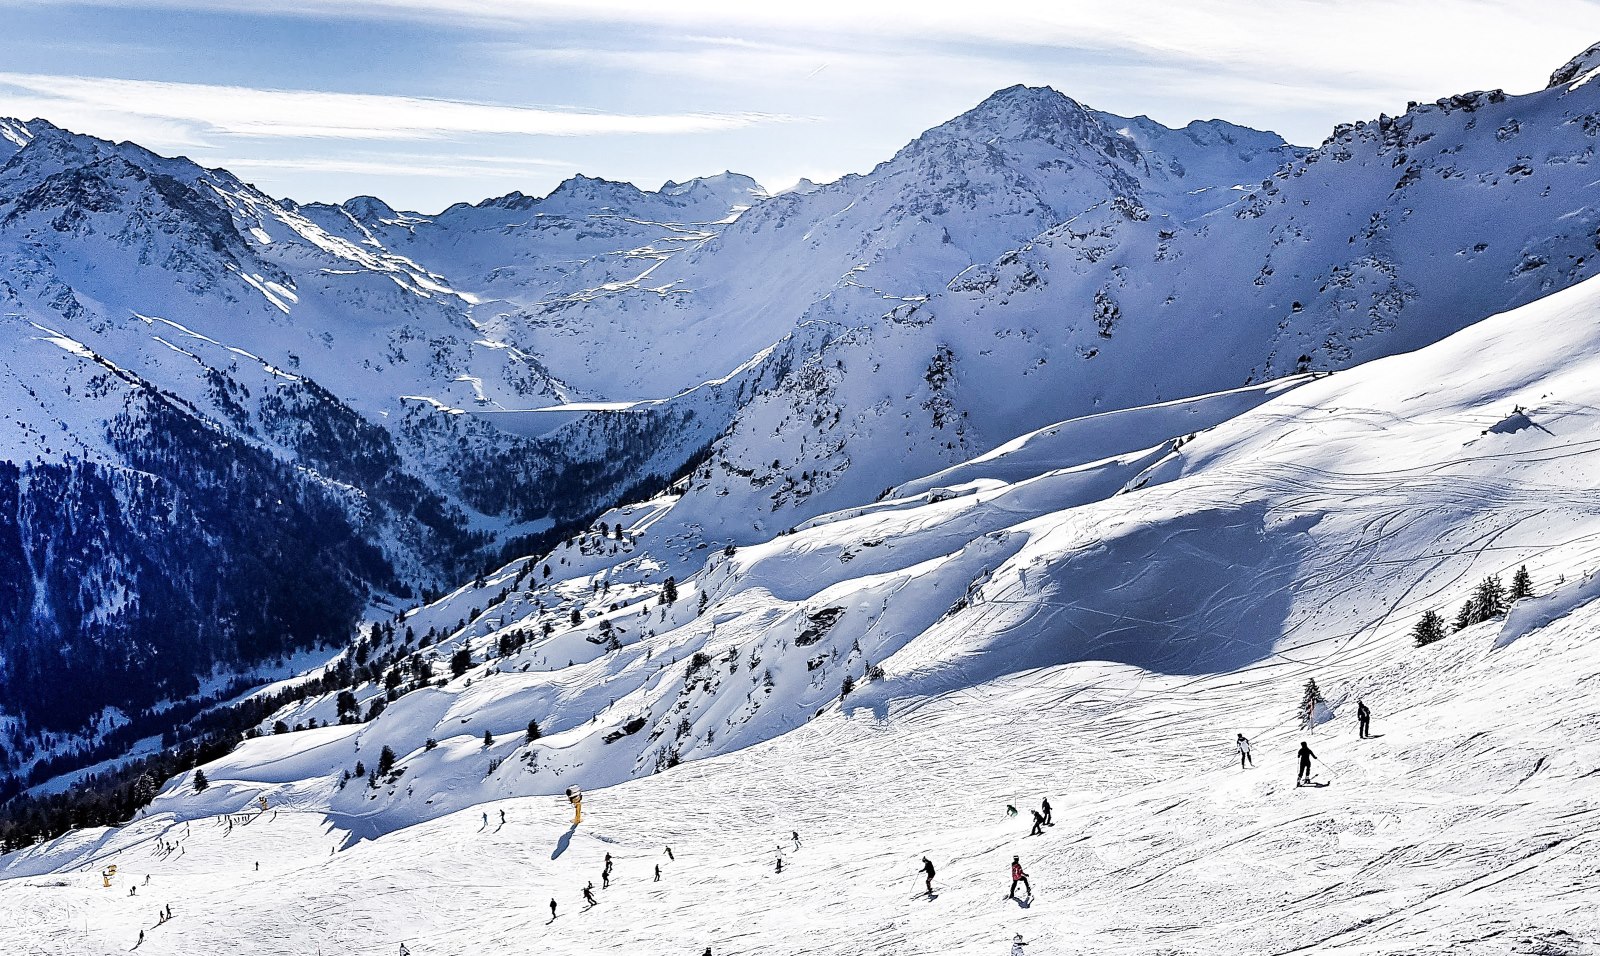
(1490, 598)
(488, 739)
(705, 599)
(1521, 584)
(533, 731)
(576, 618)
(669, 591)
(460, 662)
(361, 769)
(385, 761)
(1467, 616)
(1428, 630)
(200, 781)
(1309, 701)
(847, 685)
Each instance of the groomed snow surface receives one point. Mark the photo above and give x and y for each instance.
(1468, 825)
(1092, 625)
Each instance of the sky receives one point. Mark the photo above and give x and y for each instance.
(424, 103)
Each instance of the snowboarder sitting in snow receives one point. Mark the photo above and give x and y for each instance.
(1017, 946)
(1244, 752)
(1306, 757)
(1017, 876)
(1364, 718)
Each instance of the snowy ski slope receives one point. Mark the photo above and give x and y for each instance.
(1468, 825)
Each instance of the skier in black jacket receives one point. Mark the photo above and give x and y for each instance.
(1364, 718)
(927, 869)
(1306, 757)
(1049, 821)
(1038, 824)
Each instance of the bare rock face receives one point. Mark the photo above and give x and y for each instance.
(1576, 68)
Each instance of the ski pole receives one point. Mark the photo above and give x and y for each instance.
(1325, 767)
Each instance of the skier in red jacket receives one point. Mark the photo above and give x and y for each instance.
(1017, 876)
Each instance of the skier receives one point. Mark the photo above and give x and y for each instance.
(1048, 821)
(502, 818)
(552, 909)
(588, 893)
(485, 819)
(1018, 876)
(1011, 810)
(1243, 743)
(780, 859)
(1306, 757)
(669, 854)
(1038, 824)
(797, 839)
(605, 874)
(169, 911)
(141, 939)
(1017, 946)
(404, 951)
(1363, 717)
(658, 872)
(927, 870)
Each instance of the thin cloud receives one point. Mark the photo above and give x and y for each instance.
(267, 113)
(453, 167)
(1349, 38)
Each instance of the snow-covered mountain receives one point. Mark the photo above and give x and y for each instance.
(1391, 235)
(377, 366)
(1039, 391)
(1089, 614)
(229, 430)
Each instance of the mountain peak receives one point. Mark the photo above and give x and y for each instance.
(369, 209)
(16, 133)
(1009, 109)
(736, 188)
(1576, 68)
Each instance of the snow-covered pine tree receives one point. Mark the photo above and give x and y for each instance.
(669, 591)
(488, 739)
(1521, 584)
(1309, 702)
(1429, 628)
(1467, 616)
(200, 781)
(386, 761)
(1490, 598)
(533, 731)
